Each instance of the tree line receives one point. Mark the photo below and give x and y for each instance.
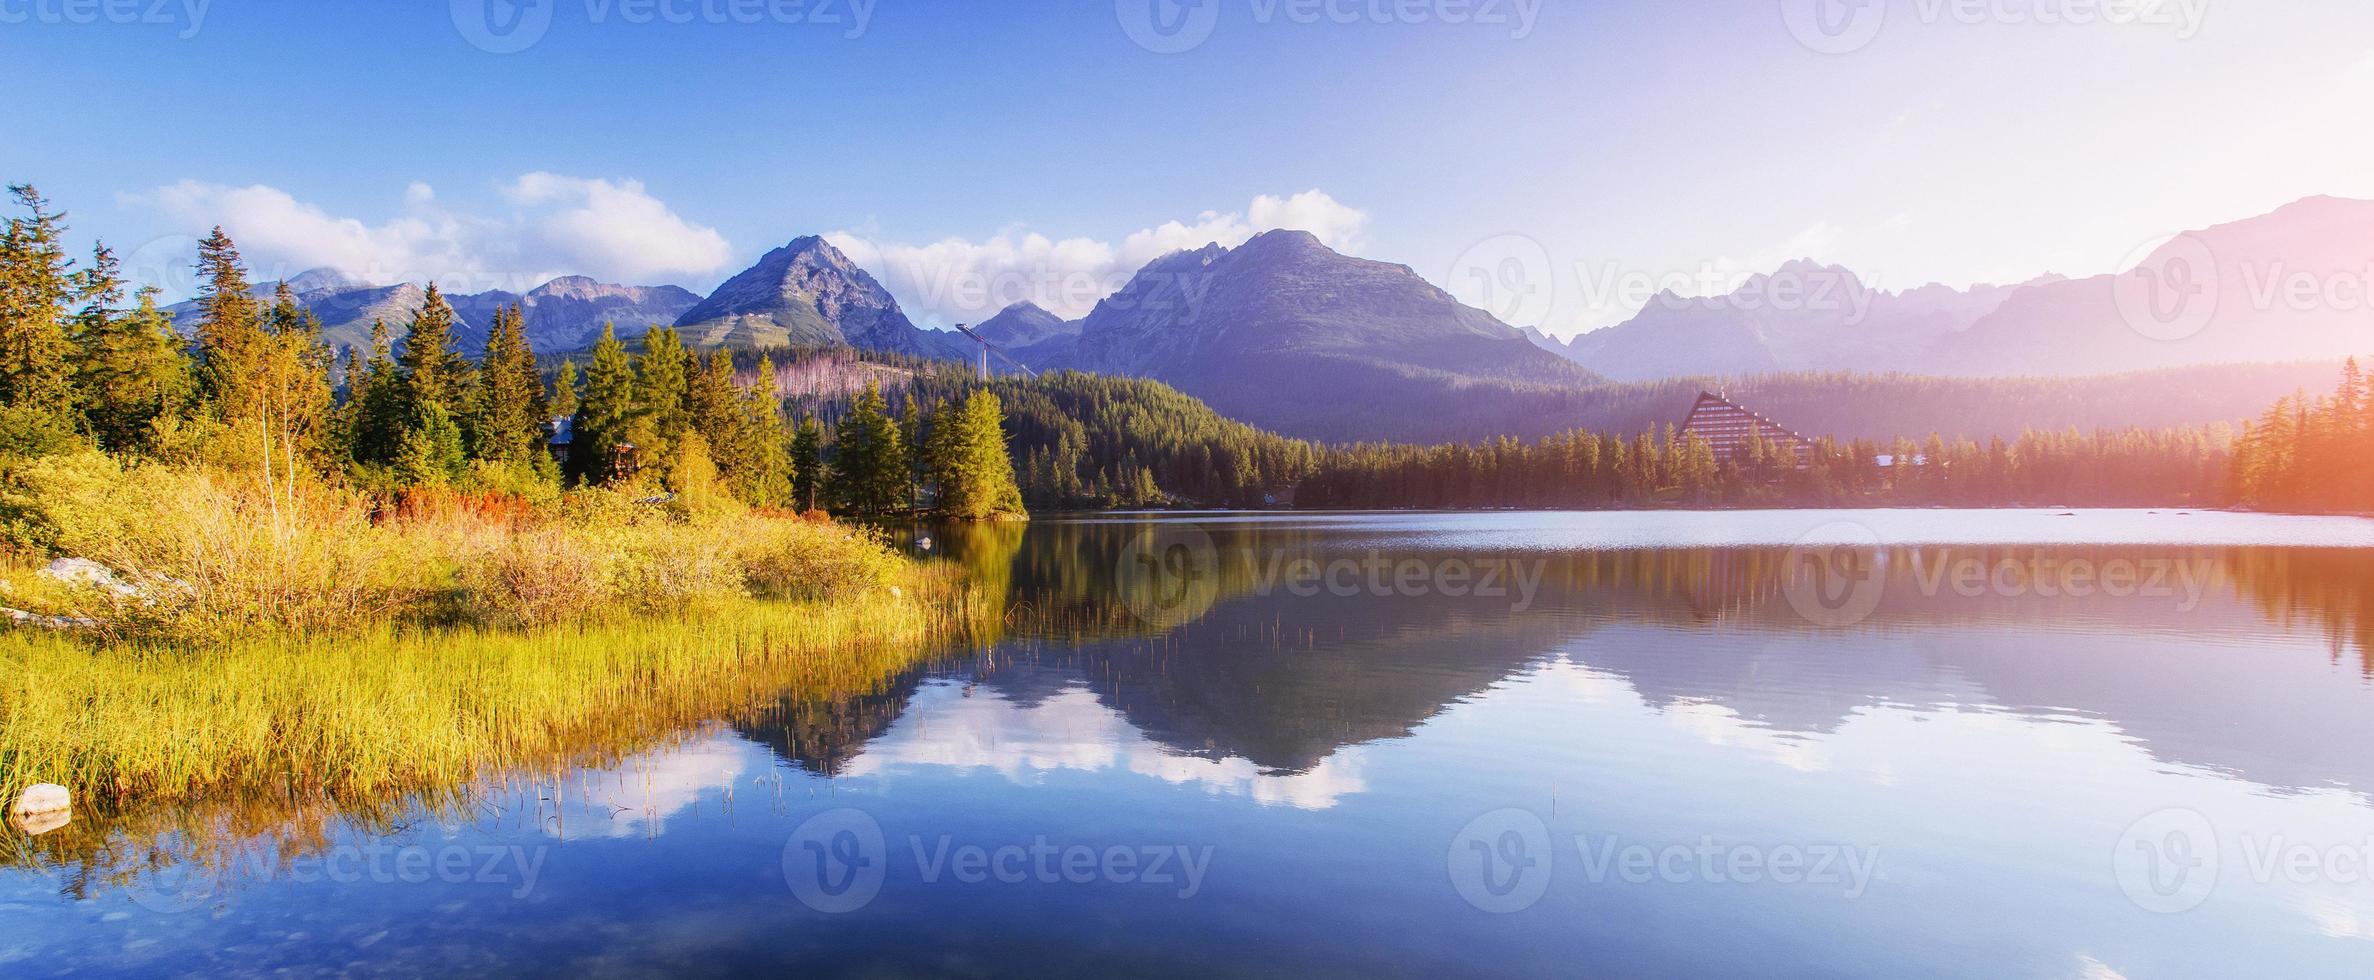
(2311, 454)
(255, 387)
(1090, 441)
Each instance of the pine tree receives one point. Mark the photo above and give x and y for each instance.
(564, 391)
(509, 427)
(229, 327)
(714, 405)
(129, 371)
(374, 413)
(768, 477)
(606, 412)
(36, 284)
(661, 384)
(869, 465)
(431, 455)
(807, 464)
(433, 371)
(976, 475)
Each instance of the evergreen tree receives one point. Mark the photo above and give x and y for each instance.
(130, 371)
(661, 386)
(36, 284)
(431, 454)
(807, 464)
(975, 476)
(767, 480)
(433, 371)
(869, 465)
(564, 391)
(374, 413)
(510, 404)
(606, 412)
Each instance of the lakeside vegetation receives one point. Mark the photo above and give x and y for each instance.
(2312, 454)
(236, 561)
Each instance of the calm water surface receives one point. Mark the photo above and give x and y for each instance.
(1994, 744)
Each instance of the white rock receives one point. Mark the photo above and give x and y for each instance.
(83, 571)
(37, 824)
(42, 798)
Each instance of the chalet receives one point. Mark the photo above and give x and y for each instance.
(1728, 428)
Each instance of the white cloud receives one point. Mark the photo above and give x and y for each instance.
(960, 280)
(554, 225)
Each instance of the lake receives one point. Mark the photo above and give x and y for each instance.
(1985, 744)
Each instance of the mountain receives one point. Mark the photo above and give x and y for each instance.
(565, 314)
(2296, 284)
(1025, 324)
(568, 313)
(1803, 316)
(2289, 285)
(1288, 334)
(808, 294)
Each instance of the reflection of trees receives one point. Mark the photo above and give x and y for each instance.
(2332, 589)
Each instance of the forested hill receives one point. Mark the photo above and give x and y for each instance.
(1092, 440)
(1846, 406)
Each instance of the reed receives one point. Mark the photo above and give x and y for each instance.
(392, 709)
(324, 644)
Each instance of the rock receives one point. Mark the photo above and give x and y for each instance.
(42, 798)
(37, 824)
(85, 572)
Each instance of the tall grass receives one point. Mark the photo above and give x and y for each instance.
(331, 645)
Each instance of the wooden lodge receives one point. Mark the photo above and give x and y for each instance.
(1727, 428)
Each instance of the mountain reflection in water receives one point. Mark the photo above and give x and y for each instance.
(1990, 721)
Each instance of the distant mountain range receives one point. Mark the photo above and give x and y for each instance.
(564, 314)
(2286, 286)
(1290, 335)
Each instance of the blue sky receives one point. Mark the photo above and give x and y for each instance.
(1582, 148)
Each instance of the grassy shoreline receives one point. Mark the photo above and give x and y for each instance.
(393, 710)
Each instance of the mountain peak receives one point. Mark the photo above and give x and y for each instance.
(806, 293)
